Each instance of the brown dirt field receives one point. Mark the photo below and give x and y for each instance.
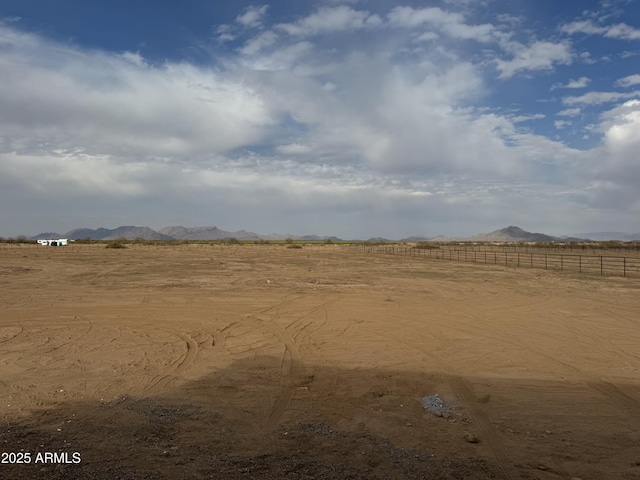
(203, 362)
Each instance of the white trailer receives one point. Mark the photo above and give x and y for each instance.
(60, 242)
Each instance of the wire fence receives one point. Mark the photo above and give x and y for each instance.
(593, 264)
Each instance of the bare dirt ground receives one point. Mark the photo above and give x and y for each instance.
(203, 362)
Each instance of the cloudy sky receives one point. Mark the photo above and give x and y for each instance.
(349, 118)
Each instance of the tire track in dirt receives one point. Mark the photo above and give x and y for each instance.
(20, 332)
(289, 367)
(291, 363)
(182, 363)
(610, 390)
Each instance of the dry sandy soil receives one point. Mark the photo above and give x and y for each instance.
(203, 362)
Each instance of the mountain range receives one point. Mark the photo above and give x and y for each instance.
(508, 234)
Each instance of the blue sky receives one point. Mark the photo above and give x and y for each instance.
(349, 118)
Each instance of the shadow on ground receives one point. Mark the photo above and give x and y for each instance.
(251, 421)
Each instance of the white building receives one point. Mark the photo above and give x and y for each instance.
(60, 242)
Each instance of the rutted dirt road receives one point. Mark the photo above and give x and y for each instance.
(265, 362)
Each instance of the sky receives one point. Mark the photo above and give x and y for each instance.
(334, 117)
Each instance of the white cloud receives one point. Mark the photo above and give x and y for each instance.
(427, 37)
(622, 126)
(302, 134)
(135, 58)
(451, 24)
(560, 124)
(539, 55)
(614, 167)
(256, 44)
(569, 112)
(225, 33)
(55, 95)
(595, 98)
(526, 118)
(74, 173)
(252, 16)
(409, 17)
(620, 31)
(331, 19)
(629, 81)
(581, 82)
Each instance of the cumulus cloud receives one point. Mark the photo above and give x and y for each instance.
(331, 19)
(53, 94)
(252, 16)
(295, 131)
(256, 44)
(595, 98)
(560, 124)
(622, 127)
(581, 82)
(451, 24)
(614, 166)
(540, 55)
(620, 31)
(629, 81)
(569, 112)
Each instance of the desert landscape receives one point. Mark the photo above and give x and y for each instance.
(203, 361)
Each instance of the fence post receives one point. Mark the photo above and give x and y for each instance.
(600, 264)
(579, 263)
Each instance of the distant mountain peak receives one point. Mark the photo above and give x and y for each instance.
(512, 234)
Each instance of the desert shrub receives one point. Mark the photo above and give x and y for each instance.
(328, 241)
(117, 243)
(288, 241)
(294, 246)
(233, 241)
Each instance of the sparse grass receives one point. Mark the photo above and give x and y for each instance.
(426, 245)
